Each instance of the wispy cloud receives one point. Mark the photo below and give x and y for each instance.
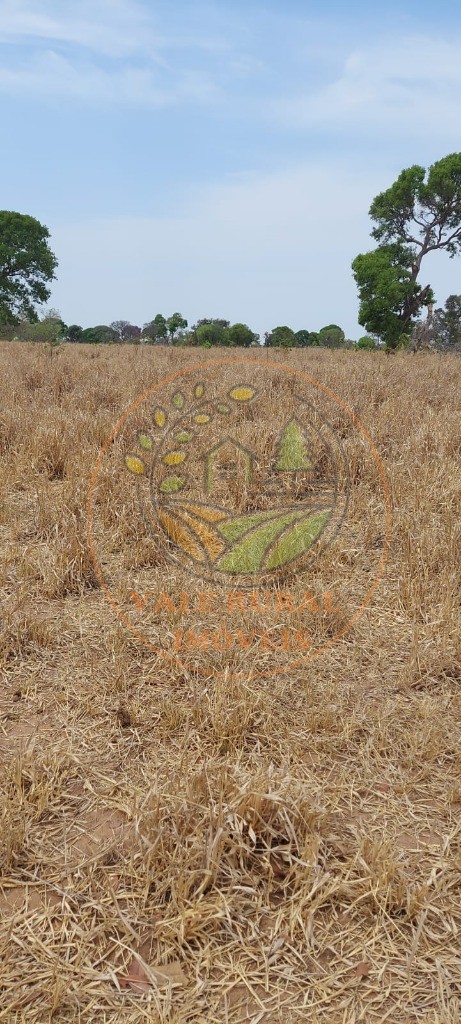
(110, 51)
(115, 28)
(411, 85)
(51, 74)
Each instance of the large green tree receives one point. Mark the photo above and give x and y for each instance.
(27, 266)
(241, 335)
(418, 214)
(281, 336)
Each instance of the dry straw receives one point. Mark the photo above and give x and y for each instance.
(180, 847)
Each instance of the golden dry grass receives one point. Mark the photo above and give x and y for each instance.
(182, 846)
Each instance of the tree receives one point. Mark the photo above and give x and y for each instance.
(125, 330)
(331, 336)
(418, 214)
(100, 335)
(156, 330)
(209, 331)
(175, 323)
(366, 342)
(27, 265)
(50, 329)
(305, 339)
(74, 333)
(447, 323)
(281, 336)
(241, 335)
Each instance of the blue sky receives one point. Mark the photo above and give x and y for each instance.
(220, 158)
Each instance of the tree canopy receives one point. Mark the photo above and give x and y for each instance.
(27, 266)
(418, 214)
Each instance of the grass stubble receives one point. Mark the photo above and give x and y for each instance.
(183, 846)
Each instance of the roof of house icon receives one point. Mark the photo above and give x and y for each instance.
(239, 453)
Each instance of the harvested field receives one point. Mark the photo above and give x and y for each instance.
(215, 846)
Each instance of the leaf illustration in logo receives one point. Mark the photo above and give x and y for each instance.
(159, 417)
(178, 400)
(174, 458)
(135, 465)
(269, 544)
(181, 536)
(199, 390)
(206, 512)
(248, 554)
(202, 417)
(242, 393)
(296, 540)
(207, 535)
(183, 436)
(145, 442)
(235, 528)
(172, 484)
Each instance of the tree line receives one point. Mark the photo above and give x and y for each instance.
(420, 213)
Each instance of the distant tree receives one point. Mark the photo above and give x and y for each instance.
(131, 333)
(211, 320)
(241, 335)
(100, 335)
(447, 323)
(210, 331)
(125, 330)
(304, 339)
(331, 336)
(280, 337)
(118, 326)
(27, 266)
(50, 329)
(155, 330)
(175, 323)
(74, 333)
(418, 214)
(366, 342)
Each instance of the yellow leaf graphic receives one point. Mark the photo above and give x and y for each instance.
(214, 544)
(211, 515)
(199, 391)
(202, 418)
(159, 417)
(241, 393)
(174, 458)
(181, 536)
(135, 465)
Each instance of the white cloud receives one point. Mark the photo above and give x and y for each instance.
(106, 51)
(408, 86)
(112, 27)
(52, 74)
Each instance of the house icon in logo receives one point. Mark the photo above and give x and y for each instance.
(225, 462)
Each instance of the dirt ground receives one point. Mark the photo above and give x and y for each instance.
(182, 844)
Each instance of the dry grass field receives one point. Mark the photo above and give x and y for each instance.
(182, 844)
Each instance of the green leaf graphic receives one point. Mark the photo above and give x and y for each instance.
(171, 484)
(248, 555)
(232, 529)
(298, 539)
(293, 532)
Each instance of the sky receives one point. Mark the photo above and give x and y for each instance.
(219, 159)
